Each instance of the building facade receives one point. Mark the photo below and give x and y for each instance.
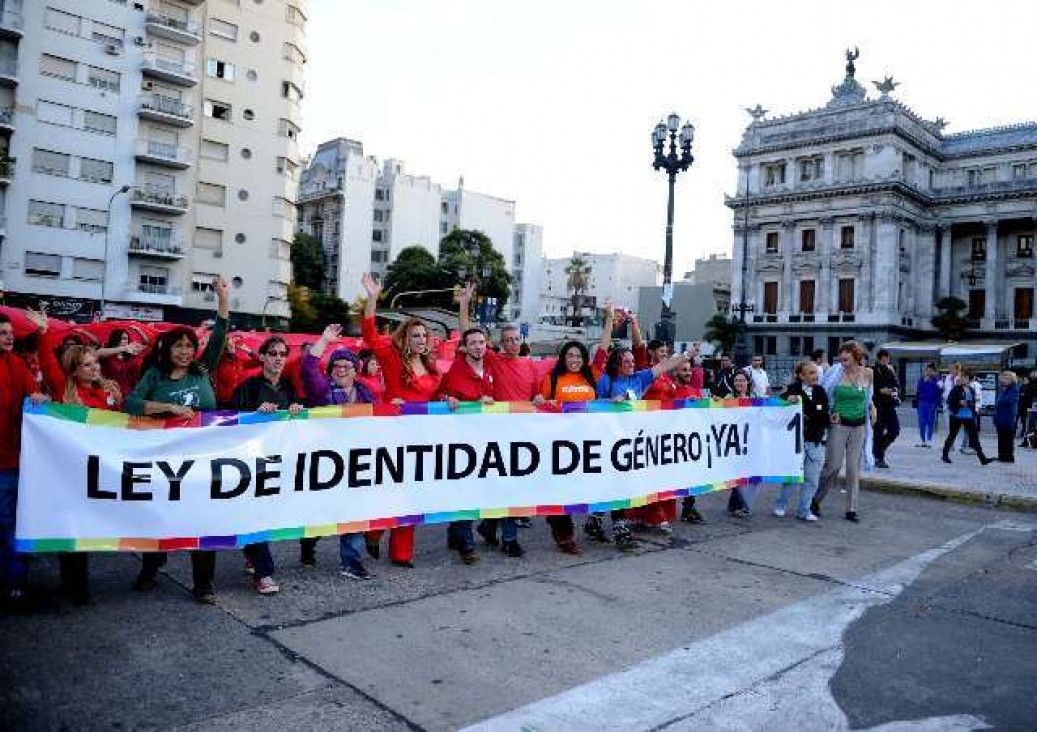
(616, 277)
(858, 217)
(526, 272)
(156, 146)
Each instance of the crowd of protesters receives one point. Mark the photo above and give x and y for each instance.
(849, 411)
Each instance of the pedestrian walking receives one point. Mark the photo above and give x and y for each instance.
(886, 400)
(807, 391)
(849, 385)
(929, 395)
(963, 405)
(1004, 416)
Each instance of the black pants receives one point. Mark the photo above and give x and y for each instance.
(887, 429)
(969, 425)
(203, 567)
(74, 568)
(736, 501)
(561, 528)
(1006, 444)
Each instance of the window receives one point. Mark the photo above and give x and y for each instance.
(212, 194)
(202, 282)
(376, 235)
(249, 115)
(287, 128)
(103, 79)
(38, 264)
(808, 345)
(216, 69)
(61, 68)
(217, 110)
(847, 237)
(809, 240)
(280, 249)
(95, 171)
(284, 208)
(290, 91)
(106, 33)
(286, 167)
(1019, 170)
(979, 249)
(157, 234)
(1023, 303)
(61, 22)
(55, 114)
(293, 53)
(770, 345)
(42, 213)
(91, 220)
(442, 227)
(102, 124)
(211, 239)
(770, 297)
(378, 215)
(812, 169)
(849, 165)
(977, 304)
(223, 29)
(295, 16)
(50, 163)
(794, 346)
(444, 208)
(277, 290)
(213, 150)
(847, 301)
(379, 256)
(806, 296)
(91, 270)
(1024, 246)
(154, 279)
(771, 246)
(774, 174)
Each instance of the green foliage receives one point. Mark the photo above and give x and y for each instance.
(466, 255)
(722, 330)
(578, 282)
(311, 311)
(949, 321)
(416, 270)
(308, 262)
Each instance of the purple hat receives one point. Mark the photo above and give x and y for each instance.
(343, 354)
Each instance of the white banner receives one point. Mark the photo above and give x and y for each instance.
(97, 484)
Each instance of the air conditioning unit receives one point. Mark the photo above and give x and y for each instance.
(112, 49)
(141, 41)
(218, 254)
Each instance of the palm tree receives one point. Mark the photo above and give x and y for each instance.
(949, 321)
(579, 281)
(722, 330)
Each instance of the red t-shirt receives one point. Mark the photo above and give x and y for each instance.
(515, 379)
(16, 383)
(463, 383)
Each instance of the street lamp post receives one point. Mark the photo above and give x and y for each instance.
(673, 163)
(742, 306)
(107, 236)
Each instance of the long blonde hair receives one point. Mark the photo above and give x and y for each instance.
(401, 340)
(71, 360)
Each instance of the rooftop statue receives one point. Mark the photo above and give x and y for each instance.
(851, 56)
(886, 86)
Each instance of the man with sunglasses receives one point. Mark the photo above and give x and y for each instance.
(266, 392)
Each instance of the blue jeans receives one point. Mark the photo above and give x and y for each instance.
(927, 420)
(262, 561)
(813, 461)
(12, 568)
(460, 536)
(349, 548)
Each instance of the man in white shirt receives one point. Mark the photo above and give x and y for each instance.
(761, 383)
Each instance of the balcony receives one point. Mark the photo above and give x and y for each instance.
(169, 70)
(11, 24)
(6, 170)
(153, 294)
(7, 119)
(159, 200)
(9, 71)
(166, 26)
(159, 108)
(163, 153)
(156, 247)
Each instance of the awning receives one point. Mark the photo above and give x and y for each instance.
(964, 350)
(913, 349)
(930, 349)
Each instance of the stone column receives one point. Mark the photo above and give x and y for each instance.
(885, 266)
(992, 283)
(788, 248)
(924, 276)
(823, 300)
(946, 234)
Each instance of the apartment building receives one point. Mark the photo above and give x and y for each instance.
(526, 272)
(156, 144)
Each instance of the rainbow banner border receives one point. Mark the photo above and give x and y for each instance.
(102, 418)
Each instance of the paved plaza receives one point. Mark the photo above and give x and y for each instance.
(921, 617)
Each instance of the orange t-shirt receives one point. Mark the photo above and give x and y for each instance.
(570, 388)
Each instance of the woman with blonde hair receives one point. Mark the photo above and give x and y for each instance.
(75, 379)
(849, 385)
(410, 374)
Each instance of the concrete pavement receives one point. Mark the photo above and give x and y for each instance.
(943, 628)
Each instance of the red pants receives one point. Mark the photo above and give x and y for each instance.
(655, 513)
(401, 542)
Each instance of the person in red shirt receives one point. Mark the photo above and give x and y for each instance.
(77, 379)
(16, 383)
(370, 374)
(125, 366)
(409, 368)
(469, 380)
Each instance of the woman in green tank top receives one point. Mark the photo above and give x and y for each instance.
(851, 400)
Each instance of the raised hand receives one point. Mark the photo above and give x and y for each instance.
(331, 332)
(38, 318)
(371, 286)
(220, 286)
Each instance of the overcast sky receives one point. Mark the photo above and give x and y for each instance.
(551, 103)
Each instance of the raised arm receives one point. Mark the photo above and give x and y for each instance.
(636, 339)
(464, 307)
(672, 362)
(373, 289)
(331, 333)
(217, 339)
(606, 330)
(53, 375)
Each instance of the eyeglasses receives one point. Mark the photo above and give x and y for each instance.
(277, 354)
(343, 365)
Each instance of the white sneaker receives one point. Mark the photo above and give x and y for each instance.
(265, 586)
(665, 527)
(809, 517)
(779, 512)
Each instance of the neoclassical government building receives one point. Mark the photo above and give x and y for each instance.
(859, 216)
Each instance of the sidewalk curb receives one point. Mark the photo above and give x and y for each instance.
(993, 500)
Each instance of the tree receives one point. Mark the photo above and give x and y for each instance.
(308, 262)
(414, 270)
(949, 322)
(304, 315)
(469, 256)
(578, 282)
(722, 330)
